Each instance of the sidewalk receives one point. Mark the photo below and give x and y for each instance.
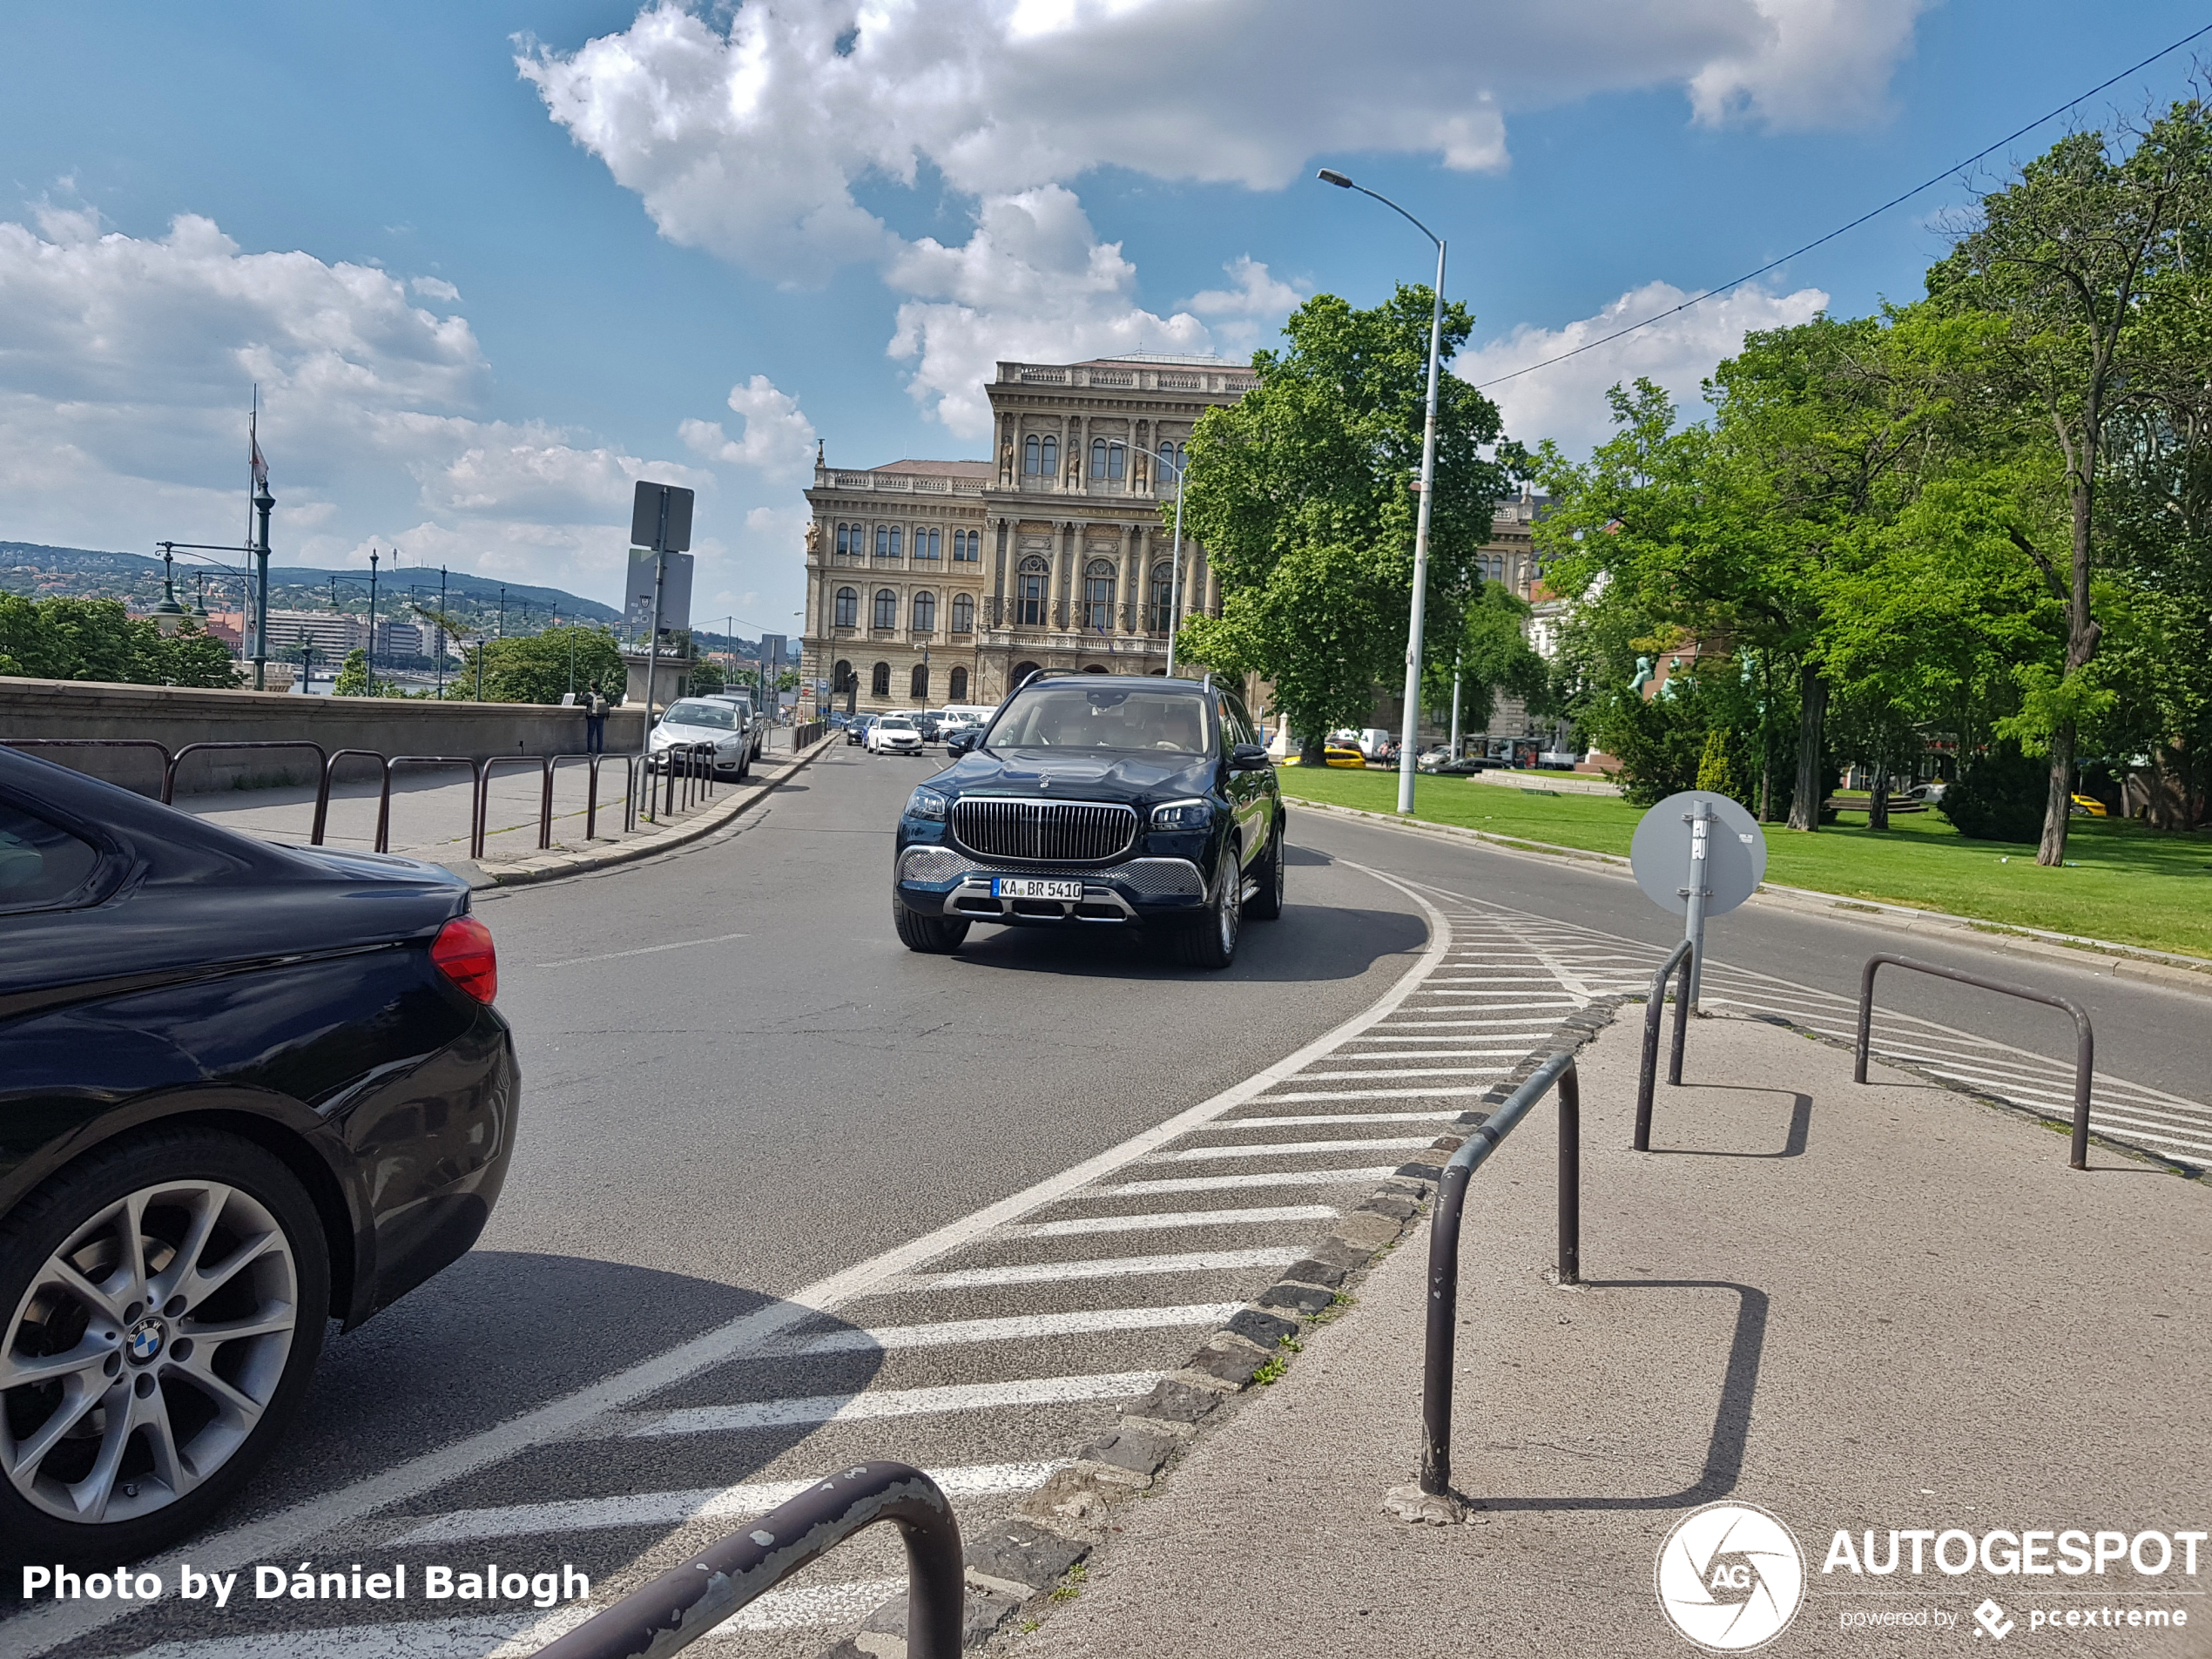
(1857, 1307)
(431, 813)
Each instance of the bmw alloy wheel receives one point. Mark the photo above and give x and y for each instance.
(144, 1352)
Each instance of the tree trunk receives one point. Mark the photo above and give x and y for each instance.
(1878, 804)
(1812, 703)
(1310, 752)
(2058, 804)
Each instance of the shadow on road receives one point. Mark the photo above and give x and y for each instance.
(1793, 1144)
(1310, 942)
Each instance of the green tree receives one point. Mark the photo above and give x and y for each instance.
(1301, 492)
(544, 667)
(1491, 654)
(98, 639)
(2083, 259)
(352, 678)
(705, 678)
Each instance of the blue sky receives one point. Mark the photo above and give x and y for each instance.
(688, 243)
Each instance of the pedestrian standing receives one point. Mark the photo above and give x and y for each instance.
(595, 724)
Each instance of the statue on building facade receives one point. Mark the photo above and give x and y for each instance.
(813, 537)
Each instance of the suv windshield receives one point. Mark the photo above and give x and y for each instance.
(714, 714)
(1062, 715)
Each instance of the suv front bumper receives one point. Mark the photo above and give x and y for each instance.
(935, 880)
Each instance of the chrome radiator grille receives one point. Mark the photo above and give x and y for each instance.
(1043, 831)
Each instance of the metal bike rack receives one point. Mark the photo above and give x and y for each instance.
(688, 1601)
(384, 801)
(2085, 1041)
(480, 818)
(1444, 1246)
(99, 743)
(1654, 1008)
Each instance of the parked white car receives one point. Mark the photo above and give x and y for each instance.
(755, 727)
(894, 734)
(700, 719)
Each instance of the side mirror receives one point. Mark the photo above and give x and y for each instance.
(1248, 757)
(960, 743)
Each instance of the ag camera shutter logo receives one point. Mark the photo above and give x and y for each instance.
(1729, 1577)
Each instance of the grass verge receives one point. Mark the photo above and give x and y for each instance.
(2122, 881)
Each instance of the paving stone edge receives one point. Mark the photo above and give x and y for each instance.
(1020, 1568)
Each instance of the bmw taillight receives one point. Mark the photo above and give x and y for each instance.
(463, 953)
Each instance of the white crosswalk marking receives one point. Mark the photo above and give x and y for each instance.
(1015, 1328)
(1186, 1217)
(1225, 1182)
(896, 1402)
(1278, 1149)
(1200, 1261)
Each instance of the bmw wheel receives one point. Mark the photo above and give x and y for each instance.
(1212, 942)
(164, 1302)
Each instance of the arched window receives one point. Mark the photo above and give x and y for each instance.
(1029, 453)
(1098, 596)
(883, 541)
(848, 608)
(963, 613)
(841, 677)
(1028, 592)
(1116, 460)
(968, 544)
(923, 613)
(918, 683)
(1098, 457)
(898, 533)
(886, 609)
(1095, 667)
(1021, 671)
(1051, 466)
(1169, 476)
(1163, 598)
(929, 544)
(957, 691)
(844, 539)
(880, 680)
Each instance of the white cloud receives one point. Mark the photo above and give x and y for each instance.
(1566, 402)
(127, 365)
(1254, 304)
(749, 132)
(778, 440)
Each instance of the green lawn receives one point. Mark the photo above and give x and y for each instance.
(2123, 882)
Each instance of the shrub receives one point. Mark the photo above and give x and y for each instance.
(1999, 795)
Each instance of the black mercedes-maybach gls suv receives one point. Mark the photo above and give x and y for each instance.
(1094, 799)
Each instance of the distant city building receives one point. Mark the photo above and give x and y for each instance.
(331, 633)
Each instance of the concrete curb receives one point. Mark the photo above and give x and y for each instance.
(2166, 968)
(552, 866)
(1027, 1562)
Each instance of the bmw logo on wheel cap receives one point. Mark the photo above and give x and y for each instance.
(1731, 1577)
(145, 1339)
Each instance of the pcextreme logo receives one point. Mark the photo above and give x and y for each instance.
(1729, 1577)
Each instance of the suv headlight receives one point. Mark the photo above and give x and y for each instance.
(925, 803)
(1182, 815)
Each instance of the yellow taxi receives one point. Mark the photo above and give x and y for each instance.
(1342, 754)
(2089, 806)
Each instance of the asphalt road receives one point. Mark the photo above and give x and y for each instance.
(736, 1081)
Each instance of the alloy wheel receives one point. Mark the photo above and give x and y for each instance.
(146, 1350)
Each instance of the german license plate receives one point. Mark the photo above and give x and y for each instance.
(1029, 887)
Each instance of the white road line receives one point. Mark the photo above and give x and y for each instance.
(677, 1508)
(1373, 1094)
(2163, 1140)
(804, 1607)
(1413, 1071)
(271, 1534)
(894, 1402)
(1196, 1261)
(1226, 1183)
(1341, 1117)
(1183, 1217)
(495, 1635)
(642, 950)
(1014, 1327)
(1283, 1148)
(1396, 1034)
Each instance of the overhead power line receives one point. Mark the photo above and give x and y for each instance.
(1952, 171)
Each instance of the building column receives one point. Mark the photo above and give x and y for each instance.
(998, 576)
(1070, 537)
(1132, 569)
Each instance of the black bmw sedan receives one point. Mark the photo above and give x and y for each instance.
(244, 1089)
(1097, 800)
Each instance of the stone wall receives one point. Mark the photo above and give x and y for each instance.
(174, 715)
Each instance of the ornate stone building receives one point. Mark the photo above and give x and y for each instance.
(935, 581)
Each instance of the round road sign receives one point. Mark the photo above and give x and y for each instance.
(1735, 851)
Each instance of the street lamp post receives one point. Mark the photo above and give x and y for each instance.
(1409, 741)
(168, 613)
(370, 659)
(262, 502)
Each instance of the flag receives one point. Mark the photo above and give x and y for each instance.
(254, 448)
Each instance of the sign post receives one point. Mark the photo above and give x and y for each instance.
(1700, 855)
(660, 521)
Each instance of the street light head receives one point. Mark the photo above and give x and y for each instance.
(1331, 176)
